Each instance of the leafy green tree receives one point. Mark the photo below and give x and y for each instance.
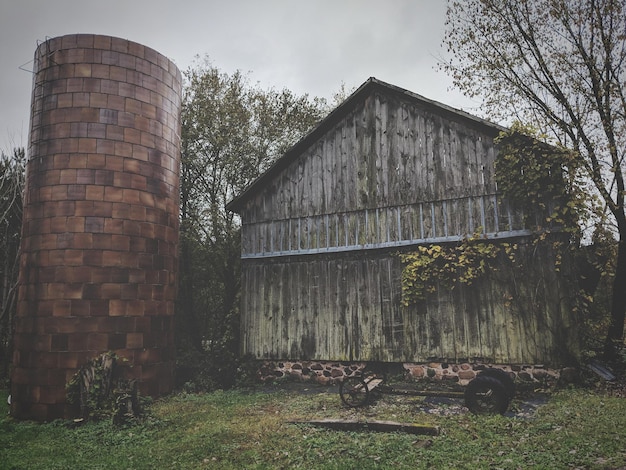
(559, 65)
(232, 131)
(12, 172)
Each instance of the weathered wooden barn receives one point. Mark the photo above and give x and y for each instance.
(386, 171)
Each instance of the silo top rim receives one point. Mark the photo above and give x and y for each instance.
(104, 42)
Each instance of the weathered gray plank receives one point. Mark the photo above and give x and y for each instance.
(379, 426)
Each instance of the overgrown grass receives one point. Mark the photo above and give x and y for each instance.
(234, 429)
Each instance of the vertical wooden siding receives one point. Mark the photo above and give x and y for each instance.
(383, 227)
(391, 174)
(348, 307)
(386, 153)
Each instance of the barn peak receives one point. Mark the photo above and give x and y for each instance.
(370, 86)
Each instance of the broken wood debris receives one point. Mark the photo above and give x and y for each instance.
(379, 426)
(602, 371)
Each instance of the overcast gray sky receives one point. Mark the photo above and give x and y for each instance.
(307, 46)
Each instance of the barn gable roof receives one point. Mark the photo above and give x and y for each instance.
(371, 85)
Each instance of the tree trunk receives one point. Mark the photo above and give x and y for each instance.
(615, 334)
(187, 322)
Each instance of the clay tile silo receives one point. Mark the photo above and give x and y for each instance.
(100, 232)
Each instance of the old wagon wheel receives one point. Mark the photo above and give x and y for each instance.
(353, 391)
(504, 378)
(485, 395)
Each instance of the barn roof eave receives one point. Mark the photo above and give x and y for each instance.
(333, 117)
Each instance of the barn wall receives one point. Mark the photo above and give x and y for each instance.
(321, 275)
(347, 307)
(403, 177)
(385, 153)
(384, 227)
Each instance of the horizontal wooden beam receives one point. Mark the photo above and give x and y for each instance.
(386, 245)
(378, 426)
(449, 220)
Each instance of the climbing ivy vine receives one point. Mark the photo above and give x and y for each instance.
(545, 182)
(542, 180)
(538, 179)
(434, 266)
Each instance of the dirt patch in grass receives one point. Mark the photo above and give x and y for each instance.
(524, 406)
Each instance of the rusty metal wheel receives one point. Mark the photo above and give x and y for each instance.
(485, 395)
(354, 392)
(504, 378)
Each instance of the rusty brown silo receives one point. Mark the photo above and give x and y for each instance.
(100, 231)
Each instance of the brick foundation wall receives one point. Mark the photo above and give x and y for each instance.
(100, 232)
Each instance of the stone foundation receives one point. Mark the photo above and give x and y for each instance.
(329, 372)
